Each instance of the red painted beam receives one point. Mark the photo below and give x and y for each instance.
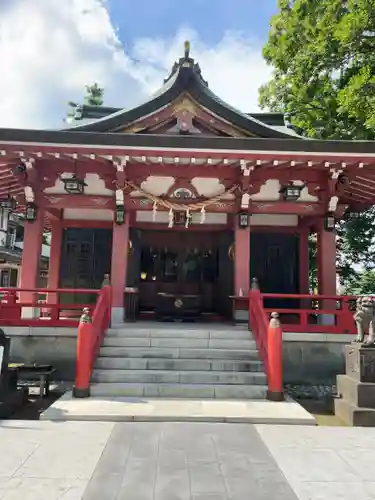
(29, 149)
(78, 201)
(54, 214)
(287, 208)
(136, 204)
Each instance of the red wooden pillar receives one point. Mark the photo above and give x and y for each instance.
(54, 260)
(119, 268)
(241, 261)
(326, 262)
(241, 272)
(31, 253)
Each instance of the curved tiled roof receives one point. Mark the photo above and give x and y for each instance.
(186, 77)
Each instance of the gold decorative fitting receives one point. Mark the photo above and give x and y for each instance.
(85, 317)
(178, 303)
(187, 49)
(231, 251)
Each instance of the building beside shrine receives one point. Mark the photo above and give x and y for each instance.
(184, 198)
(11, 245)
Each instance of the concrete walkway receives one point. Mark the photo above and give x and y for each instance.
(177, 410)
(184, 461)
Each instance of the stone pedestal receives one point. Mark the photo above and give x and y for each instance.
(360, 362)
(355, 404)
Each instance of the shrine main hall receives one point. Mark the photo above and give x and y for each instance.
(182, 199)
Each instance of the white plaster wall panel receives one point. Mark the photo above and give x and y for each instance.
(270, 191)
(145, 216)
(163, 217)
(88, 214)
(58, 188)
(95, 186)
(305, 195)
(273, 220)
(208, 186)
(210, 218)
(157, 185)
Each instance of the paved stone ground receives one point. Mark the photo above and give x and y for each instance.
(187, 462)
(178, 461)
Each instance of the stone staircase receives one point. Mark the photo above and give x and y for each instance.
(179, 361)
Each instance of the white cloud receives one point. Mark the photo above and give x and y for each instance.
(49, 50)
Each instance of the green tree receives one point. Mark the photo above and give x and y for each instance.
(323, 56)
(94, 95)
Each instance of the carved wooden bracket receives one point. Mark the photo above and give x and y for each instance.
(181, 185)
(185, 120)
(120, 170)
(334, 188)
(247, 171)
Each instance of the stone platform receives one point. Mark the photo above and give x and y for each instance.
(177, 410)
(355, 404)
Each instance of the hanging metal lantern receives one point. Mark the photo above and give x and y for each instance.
(74, 185)
(31, 212)
(329, 222)
(291, 192)
(120, 215)
(243, 220)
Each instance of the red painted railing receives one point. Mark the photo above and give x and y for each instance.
(89, 340)
(41, 306)
(258, 324)
(314, 313)
(268, 337)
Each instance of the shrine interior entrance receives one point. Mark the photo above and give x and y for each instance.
(179, 272)
(274, 261)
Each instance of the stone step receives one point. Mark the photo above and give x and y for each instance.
(192, 343)
(194, 391)
(353, 415)
(361, 394)
(180, 353)
(179, 377)
(178, 364)
(235, 333)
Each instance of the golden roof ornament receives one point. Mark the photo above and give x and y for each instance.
(187, 49)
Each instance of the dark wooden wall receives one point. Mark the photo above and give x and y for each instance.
(85, 258)
(274, 260)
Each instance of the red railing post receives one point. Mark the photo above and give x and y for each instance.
(275, 359)
(81, 387)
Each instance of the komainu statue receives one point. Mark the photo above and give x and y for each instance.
(364, 318)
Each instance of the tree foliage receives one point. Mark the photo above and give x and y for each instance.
(94, 95)
(323, 55)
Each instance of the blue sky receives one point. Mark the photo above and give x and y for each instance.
(209, 18)
(51, 49)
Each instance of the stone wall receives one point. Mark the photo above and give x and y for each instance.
(36, 345)
(313, 358)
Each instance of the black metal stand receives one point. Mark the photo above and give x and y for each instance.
(131, 306)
